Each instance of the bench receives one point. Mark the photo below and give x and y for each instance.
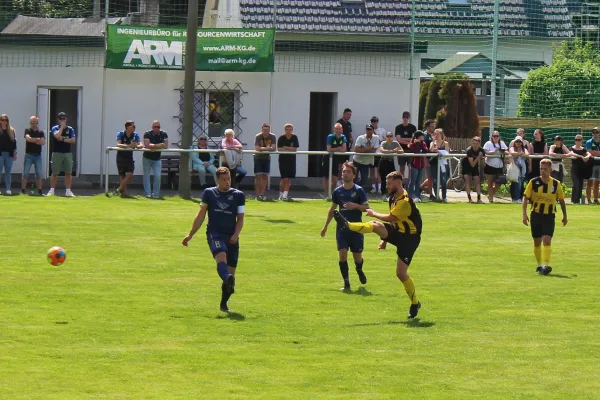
(170, 168)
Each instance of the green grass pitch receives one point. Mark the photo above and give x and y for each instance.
(132, 314)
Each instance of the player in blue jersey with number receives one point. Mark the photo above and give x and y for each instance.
(352, 201)
(225, 207)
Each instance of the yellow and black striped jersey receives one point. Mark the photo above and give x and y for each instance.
(408, 216)
(543, 196)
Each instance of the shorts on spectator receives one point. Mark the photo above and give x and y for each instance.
(62, 162)
(36, 161)
(467, 169)
(287, 170)
(262, 166)
(489, 170)
(124, 167)
(335, 168)
(595, 173)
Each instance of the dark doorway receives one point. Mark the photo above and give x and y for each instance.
(67, 101)
(320, 125)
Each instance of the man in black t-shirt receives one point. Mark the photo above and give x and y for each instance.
(347, 131)
(34, 140)
(154, 140)
(404, 133)
(287, 162)
(471, 166)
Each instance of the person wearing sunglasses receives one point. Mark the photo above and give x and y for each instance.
(63, 137)
(154, 140)
(578, 169)
(8, 151)
(34, 140)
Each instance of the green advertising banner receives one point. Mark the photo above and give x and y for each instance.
(145, 47)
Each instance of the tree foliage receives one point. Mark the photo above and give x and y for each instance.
(451, 102)
(423, 94)
(569, 88)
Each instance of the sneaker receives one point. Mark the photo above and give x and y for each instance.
(539, 269)
(223, 307)
(432, 198)
(444, 200)
(50, 192)
(414, 310)
(230, 282)
(479, 201)
(361, 276)
(546, 270)
(22, 191)
(346, 287)
(339, 218)
(520, 201)
(68, 193)
(8, 193)
(39, 192)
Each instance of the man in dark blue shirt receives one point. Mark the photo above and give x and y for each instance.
(352, 202)
(127, 139)
(63, 136)
(225, 207)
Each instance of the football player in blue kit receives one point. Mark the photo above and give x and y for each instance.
(352, 202)
(225, 208)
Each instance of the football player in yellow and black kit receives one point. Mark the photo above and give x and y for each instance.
(543, 192)
(402, 228)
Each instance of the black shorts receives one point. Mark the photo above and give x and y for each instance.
(541, 225)
(489, 170)
(335, 168)
(125, 166)
(377, 161)
(287, 169)
(467, 169)
(406, 245)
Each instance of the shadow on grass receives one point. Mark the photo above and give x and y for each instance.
(411, 323)
(233, 316)
(279, 221)
(551, 275)
(362, 291)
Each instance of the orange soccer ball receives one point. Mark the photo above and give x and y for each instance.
(56, 256)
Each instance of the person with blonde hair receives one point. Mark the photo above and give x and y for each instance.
(8, 151)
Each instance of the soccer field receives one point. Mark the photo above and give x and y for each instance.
(132, 314)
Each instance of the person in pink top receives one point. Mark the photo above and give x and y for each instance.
(232, 156)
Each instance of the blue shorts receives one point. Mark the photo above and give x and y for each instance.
(34, 160)
(349, 240)
(219, 243)
(262, 166)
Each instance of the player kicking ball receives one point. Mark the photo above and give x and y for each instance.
(401, 227)
(225, 208)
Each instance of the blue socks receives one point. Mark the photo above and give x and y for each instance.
(223, 270)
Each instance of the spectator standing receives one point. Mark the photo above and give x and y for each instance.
(593, 146)
(417, 146)
(471, 167)
(538, 147)
(520, 134)
(578, 169)
(558, 152)
(203, 162)
(347, 130)
(154, 140)
(519, 154)
(366, 145)
(34, 140)
(232, 157)
(386, 165)
(127, 139)
(439, 145)
(336, 143)
(381, 134)
(8, 151)
(264, 142)
(288, 142)
(63, 136)
(404, 134)
(427, 184)
(494, 166)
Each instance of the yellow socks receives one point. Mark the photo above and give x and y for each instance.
(361, 227)
(537, 250)
(546, 253)
(409, 287)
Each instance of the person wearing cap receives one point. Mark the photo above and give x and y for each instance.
(558, 151)
(593, 146)
(63, 136)
(380, 133)
(519, 154)
(366, 145)
(404, 134)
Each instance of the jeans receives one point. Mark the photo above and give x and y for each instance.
(516, 188)
(202, 170)
(6, 162)
(414, 188)
(34, 160)
(363, 174)
(443, 182)
(153, 166)
(576, 192)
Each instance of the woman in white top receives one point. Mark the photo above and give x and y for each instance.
(441, 146)
(494, 165)
(558, 151)
(519, 154)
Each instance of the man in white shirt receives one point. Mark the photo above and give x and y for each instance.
(380, 133)
(368, 144)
